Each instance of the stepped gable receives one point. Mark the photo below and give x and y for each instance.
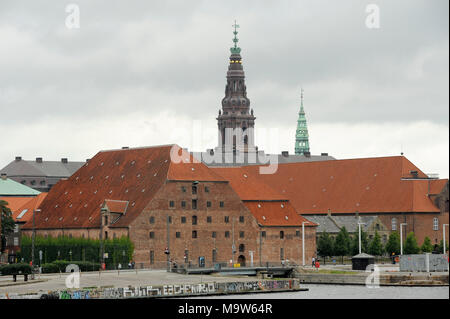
(132, 175)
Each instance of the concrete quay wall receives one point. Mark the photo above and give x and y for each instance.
(169, 291)
(386, 279)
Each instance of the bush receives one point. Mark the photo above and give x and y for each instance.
(120, 250)
(61, 265)
(49, 268)
(11, 269)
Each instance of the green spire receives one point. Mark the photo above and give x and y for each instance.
(301, 136)
(235, 49)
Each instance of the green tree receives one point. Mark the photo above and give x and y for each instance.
(342, 243)
(393, 244)
(441, 246)
(376, 246)
(364, 243)
(411, 246)
(325, 245)
(426, 247)
(7, 223)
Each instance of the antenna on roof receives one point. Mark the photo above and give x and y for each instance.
(401, 149)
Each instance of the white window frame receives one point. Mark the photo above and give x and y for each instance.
(435, 223)
(394, 223)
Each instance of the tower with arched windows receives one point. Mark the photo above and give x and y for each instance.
(236, 121)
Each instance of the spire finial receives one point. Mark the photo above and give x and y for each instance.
(301, 99)
(235, 49)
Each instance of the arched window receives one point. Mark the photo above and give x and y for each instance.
(435, 223)
(394, 223)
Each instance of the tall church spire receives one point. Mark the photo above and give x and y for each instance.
(301, 136)
(236, 114)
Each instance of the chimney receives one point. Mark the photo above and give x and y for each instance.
(125, 147)
(211, 152)
(285, 153)
(38, 159)
(415, 174)
(18, 158)
(307, 154)
(64, 160)
(3, 176)
(324, 154)
(87, 160)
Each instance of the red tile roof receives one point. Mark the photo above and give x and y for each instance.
(248, 184)
(366, 185)
(128, 175)
(25, 212)
(184, 166)
(276, 213)
(116, 206)
(14, 203)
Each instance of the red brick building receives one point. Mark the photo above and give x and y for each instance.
(180, 204)
(392, 188)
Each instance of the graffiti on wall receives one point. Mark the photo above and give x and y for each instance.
(173, 290)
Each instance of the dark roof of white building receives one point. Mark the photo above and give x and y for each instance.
(39, 167)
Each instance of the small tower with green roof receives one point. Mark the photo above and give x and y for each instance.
(301, 135)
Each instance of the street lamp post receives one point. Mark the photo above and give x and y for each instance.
(401, 237)
(34, 236)
(443, 237)
(303, 242)
(359, 230)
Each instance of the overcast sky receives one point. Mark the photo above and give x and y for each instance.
(139, 73)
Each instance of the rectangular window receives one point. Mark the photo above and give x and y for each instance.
(152, 235)
(214, 255)
(241, 234)
(178, 234)
(241, 219)
(152, 219)
(152, 257)
(194, 220)
(208, 204)
(16, 241)
(208, 219)
(183, 220)
(183, 189)
(227, 234)
(171, 204)
(227, 219)
(281, 234)
(183, 204)
(16, 228)
(169, 219)
(297, 233)
(281, 253)
(221, 204)
(194, 204)
(213, 234)
(206, 189)
(194, 234)
(263, 234)
(194, 189)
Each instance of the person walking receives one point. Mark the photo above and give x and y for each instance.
(313, 261)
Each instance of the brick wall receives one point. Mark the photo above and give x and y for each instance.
(204, 245)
